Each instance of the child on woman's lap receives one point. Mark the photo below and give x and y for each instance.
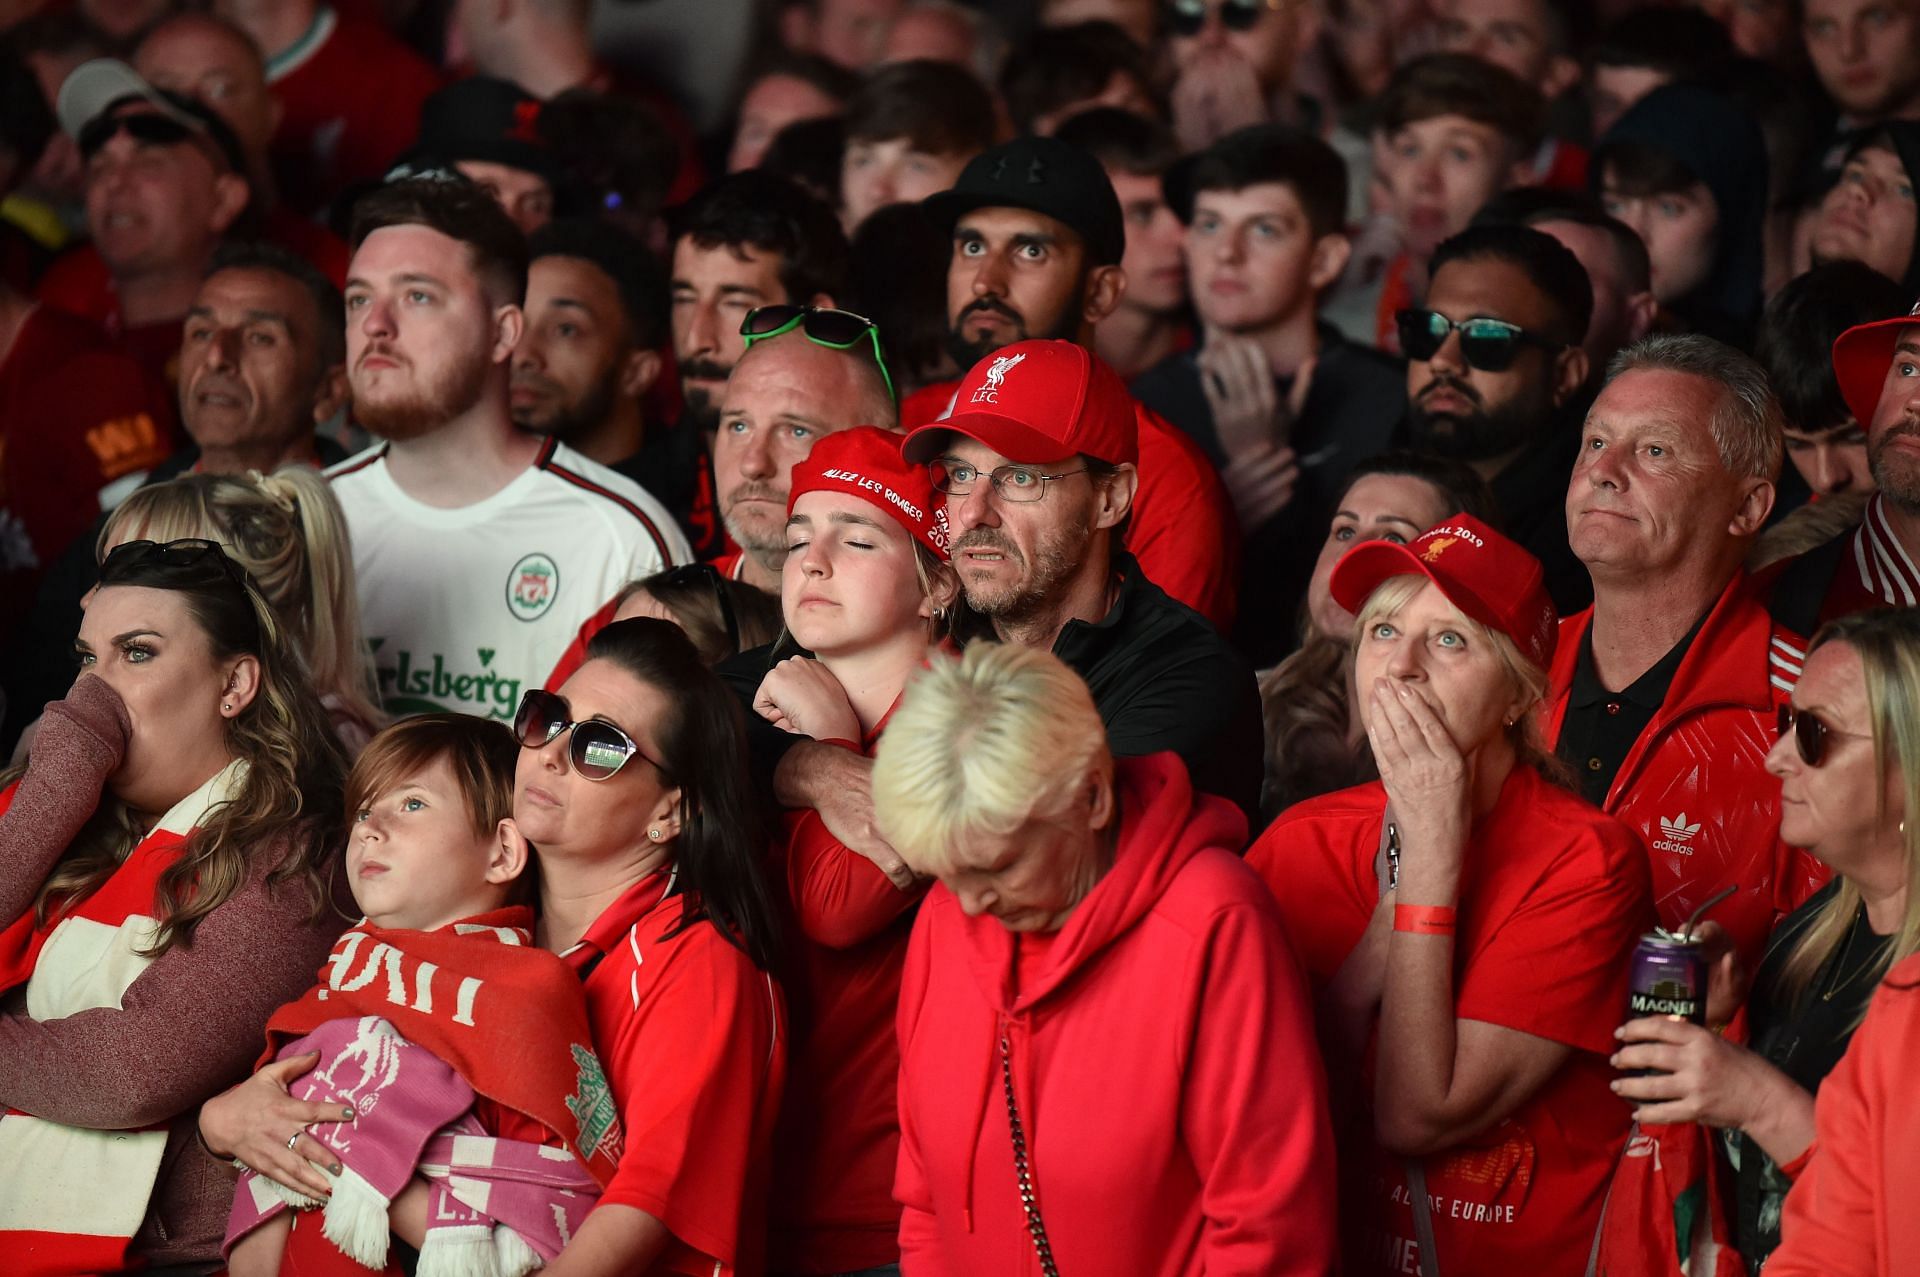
(461, 1047)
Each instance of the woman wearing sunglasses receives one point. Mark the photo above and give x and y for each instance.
(168, 860)
(865, 589)
(1848, 759)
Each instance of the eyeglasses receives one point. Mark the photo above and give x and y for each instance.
(1489, 345)
(149, 127)
(1810, 734)
(598, 748)
(690, 574)
(836, 329)
(1187, 17)
(1010, 483)
(187, 552)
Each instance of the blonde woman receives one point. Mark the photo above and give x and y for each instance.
(1848, 759)
(168, 863)
(287, 531)
(1466, 922)
(1106, 1051)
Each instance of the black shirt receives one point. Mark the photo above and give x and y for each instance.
(1161, 677)
(1804, 1041)
(1600, 726)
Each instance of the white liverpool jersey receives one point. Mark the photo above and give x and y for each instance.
(467, 608)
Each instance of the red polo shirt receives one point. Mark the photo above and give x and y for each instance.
(690, 1033)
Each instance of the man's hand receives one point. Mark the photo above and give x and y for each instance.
(838, 784)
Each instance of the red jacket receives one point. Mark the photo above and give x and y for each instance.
(1851, 1211)
(1695, 785)
(1181, 528)
(1163, 1060)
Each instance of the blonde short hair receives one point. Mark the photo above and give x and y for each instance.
(979, 746)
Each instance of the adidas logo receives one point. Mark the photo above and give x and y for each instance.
(1676, 833)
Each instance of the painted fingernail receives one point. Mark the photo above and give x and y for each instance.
(346, 1115)
(335, 1168)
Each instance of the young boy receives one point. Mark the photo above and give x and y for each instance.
(1280, 402)
(461, 1048)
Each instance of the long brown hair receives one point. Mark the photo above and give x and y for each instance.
(289, 795)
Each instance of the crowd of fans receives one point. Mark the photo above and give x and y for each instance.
(1088, 636)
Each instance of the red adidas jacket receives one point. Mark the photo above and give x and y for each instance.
(1695, 785)
(1181, 529)
(1163, 1061)
(1850, 1213)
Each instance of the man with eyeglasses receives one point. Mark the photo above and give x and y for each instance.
(1039, 466)
(166, 179)
(1495, 369)
(1664, 697)
(1037, 242)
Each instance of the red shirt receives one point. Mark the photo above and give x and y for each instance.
(1181, 528)
(76, 417)
(79, 284)
(350, 97)
(1553, 896)
(1163, 1061)
(690, 1034)
(839, 1137)
(1695, 785)
(1850, 1213)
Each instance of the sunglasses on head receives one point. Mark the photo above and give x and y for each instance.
(1187, 17)
(142, 126)
(1489, 345)
(185, 553)
(689, 574)
(835, 329)
(597, 748)
(1810, 734)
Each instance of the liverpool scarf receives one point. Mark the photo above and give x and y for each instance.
(411, 1026)
(71, 1200)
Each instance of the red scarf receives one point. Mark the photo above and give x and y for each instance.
(72, 1200)
(506, 1016)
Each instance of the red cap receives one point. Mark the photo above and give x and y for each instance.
(865, 462)
(1860, 358)
(1486, 576)
(1036, 403)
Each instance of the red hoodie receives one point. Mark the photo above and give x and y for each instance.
(1850, 1213)
(1163, 1062)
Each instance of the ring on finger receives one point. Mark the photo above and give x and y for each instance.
(294, 1139)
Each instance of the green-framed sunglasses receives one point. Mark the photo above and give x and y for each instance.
(838, 329)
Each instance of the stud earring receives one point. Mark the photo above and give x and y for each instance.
(228, 708)
(654, 834)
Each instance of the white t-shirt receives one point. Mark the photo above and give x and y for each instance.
(467, 608)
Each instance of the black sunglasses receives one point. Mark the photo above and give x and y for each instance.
(187, 553)
(1187, 17)
(597, 750)
(1489, 345)
(143, 126)
(691, 574)
(1810, 733)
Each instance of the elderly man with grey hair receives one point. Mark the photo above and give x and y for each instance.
(1666, 695)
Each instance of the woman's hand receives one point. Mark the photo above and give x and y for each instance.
(1728, 981)
(1425, 776)
(254, 1121)
(86, 732)
(800, 696)
(1702, 1077)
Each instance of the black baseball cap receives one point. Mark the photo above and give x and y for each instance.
(486, 120)
(1042, 175)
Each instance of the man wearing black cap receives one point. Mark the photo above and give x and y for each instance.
(486, 130)
(1037, 241)
(165, 180)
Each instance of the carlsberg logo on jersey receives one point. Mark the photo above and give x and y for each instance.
(429, 683)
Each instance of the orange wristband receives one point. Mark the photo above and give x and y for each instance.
(1424, 920)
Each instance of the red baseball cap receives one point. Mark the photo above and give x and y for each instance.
(1486, 576)
(1036, 403)
(1860, 358)
(865, 462)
